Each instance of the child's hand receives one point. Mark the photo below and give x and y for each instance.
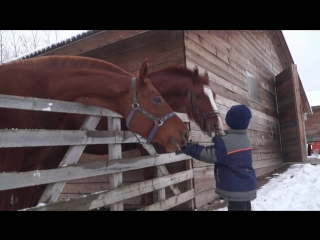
(182, 150)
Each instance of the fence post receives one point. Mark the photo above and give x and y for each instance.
(115, 152)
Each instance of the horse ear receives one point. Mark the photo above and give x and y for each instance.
(143, 72)
(206, 75)
(196, 74)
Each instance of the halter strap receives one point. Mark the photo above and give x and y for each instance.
(136, 107)
(203, 115)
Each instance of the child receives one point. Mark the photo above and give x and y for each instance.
(231, 155)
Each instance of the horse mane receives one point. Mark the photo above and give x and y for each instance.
(180, 71)
(67, 61)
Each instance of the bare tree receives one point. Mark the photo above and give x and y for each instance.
(25, 43)
(3, 43)
(14, 42)
(35, 40)
(47, 37)
(56, 35)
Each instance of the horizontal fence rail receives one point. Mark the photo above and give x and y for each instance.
(105, 198)
(83, 170)
(70, 169)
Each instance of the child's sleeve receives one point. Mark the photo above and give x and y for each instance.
(202, 153)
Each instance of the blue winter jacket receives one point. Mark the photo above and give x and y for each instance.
(232, 158)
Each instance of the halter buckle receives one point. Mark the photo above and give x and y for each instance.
(135, 106)
(159, 122)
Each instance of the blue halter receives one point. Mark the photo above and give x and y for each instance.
(136, 107)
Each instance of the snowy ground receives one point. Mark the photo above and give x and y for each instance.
(296, 189)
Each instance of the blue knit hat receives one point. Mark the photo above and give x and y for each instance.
(238, 117)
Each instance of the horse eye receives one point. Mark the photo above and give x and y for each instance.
(157, 100)
(198, 96)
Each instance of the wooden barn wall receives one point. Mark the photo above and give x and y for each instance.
(291, 116)
(313, 124)
(228, 56)
(129, 48)
(161, 48)
(93, 42)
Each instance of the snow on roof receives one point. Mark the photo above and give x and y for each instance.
(56, 45)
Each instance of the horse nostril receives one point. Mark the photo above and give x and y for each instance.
(186, 136)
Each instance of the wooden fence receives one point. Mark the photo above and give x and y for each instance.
(70, 169)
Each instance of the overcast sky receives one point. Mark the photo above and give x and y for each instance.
(305, 51)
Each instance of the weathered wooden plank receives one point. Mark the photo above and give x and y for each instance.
(228, 103)
(265, 156)
(224, 48)
(262, 40)
(93, 42)
(252, 49)
(200, 164)
(204, 172)
(133, 43)
(276, 53)
(172, 62)
(299, 114)
(266, 149)
(204, 184)
(284, 88)
(266, 170)
(193, 43)
(83, 170)
(194, 56)
(265, 142)
(106, 198)
(50, 105)
(198, 136)
(148, 50)
(85, 157)
(263, 127)
(167, 56)
(115, 152)
(162, 191)
(266, 163)
(53, 190)
(237, 42)
(128, 176)
(283, 78)
(204, 197)
(170, 202)
(250, 37)
(40, 137)
(164, 171)
(190, 184)
(226, 85)
(84, 188)
(274, 134)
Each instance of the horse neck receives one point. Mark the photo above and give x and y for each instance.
(113, 90)
(71, 85)
(172, 86)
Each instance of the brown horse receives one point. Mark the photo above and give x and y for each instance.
(189, 93)
(185, 91)
(84, 80)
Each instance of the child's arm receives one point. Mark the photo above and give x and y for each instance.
(199, 152)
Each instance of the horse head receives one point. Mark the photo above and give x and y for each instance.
(151, 117)
(201, 104)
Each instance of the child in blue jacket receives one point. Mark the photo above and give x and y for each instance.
(231, 155)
